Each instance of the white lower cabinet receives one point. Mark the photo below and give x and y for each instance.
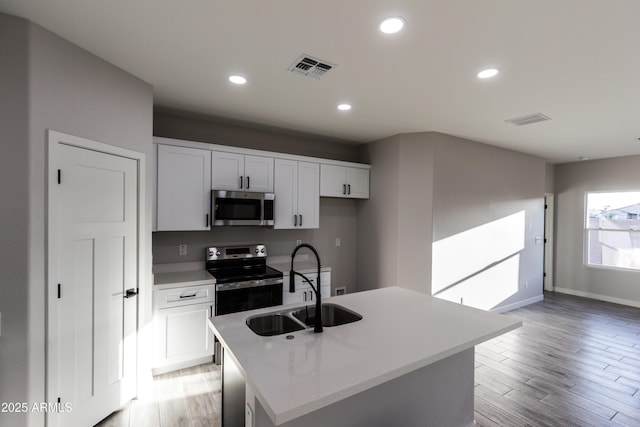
(182, 337)
(304, 293)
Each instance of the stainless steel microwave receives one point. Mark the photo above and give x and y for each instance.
(243, 208)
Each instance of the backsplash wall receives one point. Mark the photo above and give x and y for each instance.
(338, 219)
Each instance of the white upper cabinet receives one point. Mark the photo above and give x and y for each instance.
(297, 190)
(184, 188)
(341, 181)
(240, 172)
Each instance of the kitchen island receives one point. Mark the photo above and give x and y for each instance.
(409, 362)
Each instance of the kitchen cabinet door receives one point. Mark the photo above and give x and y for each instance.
(358, 183)
(286, 191)
(182, 334)
(183, 189)
(333, 181)
(308, 195)
(304, 294)
(297, 203)
(239, 172)
(227, 171)
(346, 182)
(258, 174)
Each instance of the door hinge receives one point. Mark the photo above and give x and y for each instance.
(59, 290)
(59, 176)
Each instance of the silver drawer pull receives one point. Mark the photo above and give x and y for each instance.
(189, 295)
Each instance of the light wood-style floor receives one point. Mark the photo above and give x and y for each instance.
(185, 398)
(575, 362)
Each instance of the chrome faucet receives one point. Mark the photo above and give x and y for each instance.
(317, 325)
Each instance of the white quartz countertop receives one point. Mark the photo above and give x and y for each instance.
(182, 278)
(301, 266)
(401, 331)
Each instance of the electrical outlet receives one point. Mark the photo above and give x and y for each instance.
(298, 242)
(182, 249)
(341, 290)
(337, 241)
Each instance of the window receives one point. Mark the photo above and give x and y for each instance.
(612, 229)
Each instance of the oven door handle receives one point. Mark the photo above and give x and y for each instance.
(248, 284)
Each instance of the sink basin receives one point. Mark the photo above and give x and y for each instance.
(267, 325)
(332, 315)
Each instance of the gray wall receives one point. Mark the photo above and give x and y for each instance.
(71, 91)
(475, 186)
(14, 228)
(378, 218)
(428, 187)
(338, 217)
(194, 127)
(573, 180)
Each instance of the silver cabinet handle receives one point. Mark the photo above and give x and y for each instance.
(300, 220)
(241, 179)
(248, 182)
(344, 188)
(295, 220)
(311, 295)
(188, 295)
(348, 188)
(305, 295)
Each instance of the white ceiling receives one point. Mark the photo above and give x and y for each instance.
(577, 61)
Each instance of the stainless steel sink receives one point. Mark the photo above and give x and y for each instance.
(287, 321)
(267, 325)
(332, 315)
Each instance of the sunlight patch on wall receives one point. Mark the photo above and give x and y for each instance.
(489, 288)
(479, 251)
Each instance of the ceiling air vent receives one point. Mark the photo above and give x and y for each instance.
(530, 119)
(310, 66)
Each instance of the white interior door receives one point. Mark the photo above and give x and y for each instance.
(94, 258)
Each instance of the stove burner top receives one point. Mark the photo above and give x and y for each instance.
(239, 264)
(231, 275)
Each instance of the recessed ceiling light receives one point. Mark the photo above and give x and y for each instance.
(488, 73)
(392, 25)
(238, 80)
(344, 107)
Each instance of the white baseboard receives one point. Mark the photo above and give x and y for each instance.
(605, 298)
(509, 307)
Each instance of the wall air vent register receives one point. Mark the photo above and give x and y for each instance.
(310, 66)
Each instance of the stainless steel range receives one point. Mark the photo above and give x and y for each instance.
(243, 279)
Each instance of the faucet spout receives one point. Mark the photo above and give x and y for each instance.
(317, 326)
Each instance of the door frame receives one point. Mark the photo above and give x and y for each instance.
(547, 271)
(54, 141)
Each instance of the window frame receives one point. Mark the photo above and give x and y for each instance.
(587, 229)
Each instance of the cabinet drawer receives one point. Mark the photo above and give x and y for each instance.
(188, 295)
